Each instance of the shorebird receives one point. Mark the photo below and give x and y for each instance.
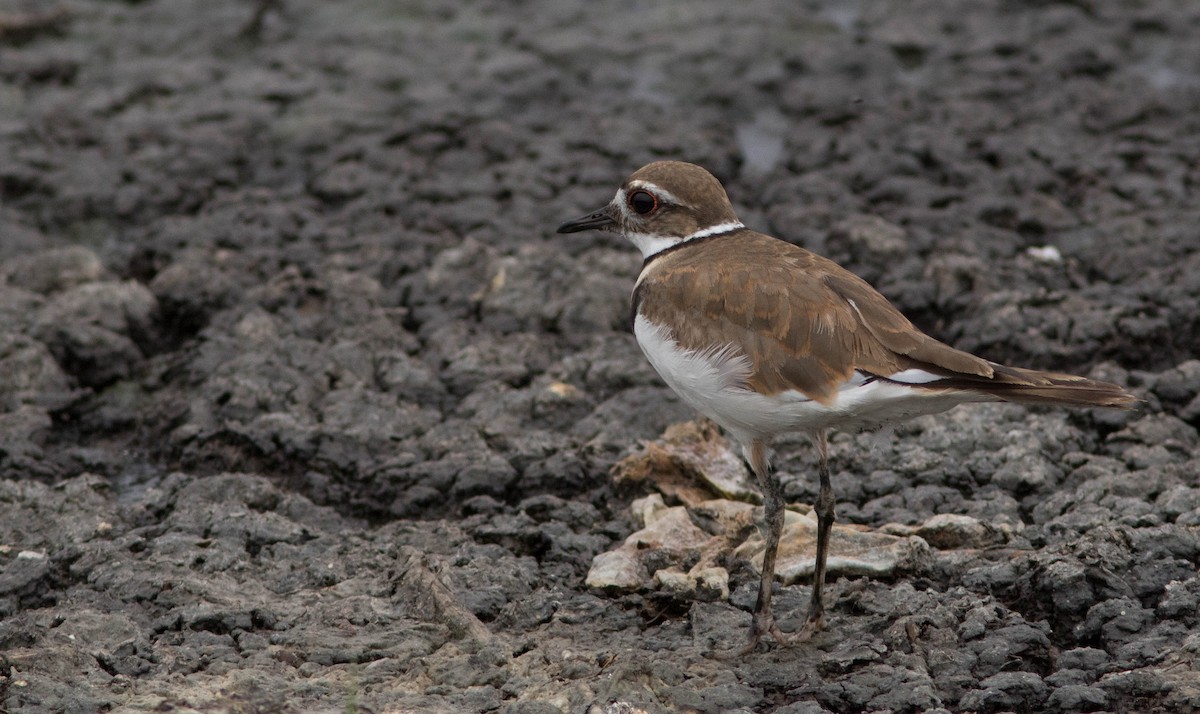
(764, 337)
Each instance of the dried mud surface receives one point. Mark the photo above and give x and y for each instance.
(304, 407)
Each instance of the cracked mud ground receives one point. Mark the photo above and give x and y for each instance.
(303, 407)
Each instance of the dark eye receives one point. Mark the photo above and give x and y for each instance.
(642, 202)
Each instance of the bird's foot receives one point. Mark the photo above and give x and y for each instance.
(813, 624)
(764, 624)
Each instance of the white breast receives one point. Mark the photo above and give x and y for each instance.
(713, 382)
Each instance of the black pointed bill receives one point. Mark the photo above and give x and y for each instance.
(599, 220)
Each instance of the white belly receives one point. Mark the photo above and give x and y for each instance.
(713, 383)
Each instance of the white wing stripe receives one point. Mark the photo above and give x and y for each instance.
(914, 376)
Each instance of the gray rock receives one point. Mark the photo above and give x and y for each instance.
(1115, 621)
(94, 329)
(1181, 600)
(32, 376)
(1012, 691)
(1077, 698)
(188, 293)
(55, 270)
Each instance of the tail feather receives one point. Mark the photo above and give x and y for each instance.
(1029, 386)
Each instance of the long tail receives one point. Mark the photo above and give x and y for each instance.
(1030, 386)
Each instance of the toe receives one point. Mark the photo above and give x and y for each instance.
(811, 627)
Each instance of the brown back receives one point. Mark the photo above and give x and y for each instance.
(805, 323)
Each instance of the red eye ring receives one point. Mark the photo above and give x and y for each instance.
(642, 202)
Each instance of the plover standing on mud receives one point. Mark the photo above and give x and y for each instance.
(764, 337)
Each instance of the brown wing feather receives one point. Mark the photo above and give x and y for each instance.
(894, 331)
(807, 324)
(798, 324)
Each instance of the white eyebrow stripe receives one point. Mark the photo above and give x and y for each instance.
(622, 197)
(663, 195)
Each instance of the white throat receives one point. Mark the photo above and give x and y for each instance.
(653, 243)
